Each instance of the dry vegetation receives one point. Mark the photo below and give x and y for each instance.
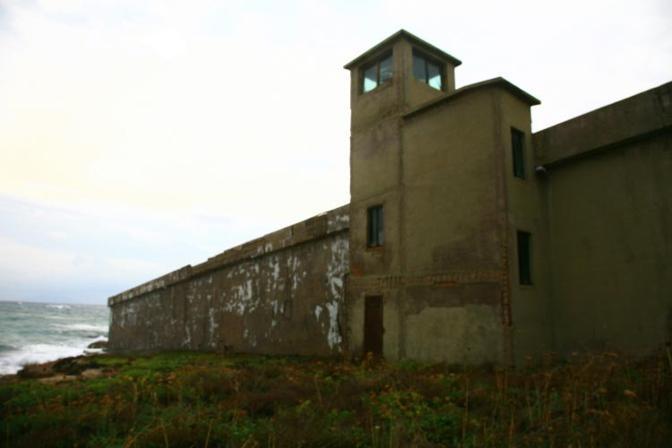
(207, 400)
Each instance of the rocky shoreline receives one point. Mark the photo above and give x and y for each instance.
(64, 369)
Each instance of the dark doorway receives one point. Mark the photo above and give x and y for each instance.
(373, 325)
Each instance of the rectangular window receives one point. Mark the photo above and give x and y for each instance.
(374, 233)
(518, 151)
(524, 257)
(377, 73)
(427, 71)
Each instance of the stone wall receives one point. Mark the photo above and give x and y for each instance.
(282, 293)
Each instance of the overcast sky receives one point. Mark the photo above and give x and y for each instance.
(140, 136)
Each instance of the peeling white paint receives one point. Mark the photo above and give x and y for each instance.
(250, 337)
(241, 299)
(187, 340)
(212, 324)
(336, 268)
(260, 290)
(274, 265)
(293, 264)
(333, 335)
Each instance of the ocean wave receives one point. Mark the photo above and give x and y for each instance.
(12, 362)
(84, 327)
(35, 333)
(81, 330)
(59, 307)
(6, 348)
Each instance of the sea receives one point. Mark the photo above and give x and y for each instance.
(42, 332)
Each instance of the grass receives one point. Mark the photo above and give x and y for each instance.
(208, 400)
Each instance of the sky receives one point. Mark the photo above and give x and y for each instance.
(137, 137)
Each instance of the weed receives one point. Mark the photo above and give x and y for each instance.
(199, 399)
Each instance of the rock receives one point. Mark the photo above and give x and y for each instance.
(89, 374)
(75, 365)
(57, 379)
(98, 344)
(36, 370)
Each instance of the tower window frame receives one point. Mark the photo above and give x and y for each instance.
(377, 73)
(524, 249)
(375, 226)
(518, 153)
(428, 70)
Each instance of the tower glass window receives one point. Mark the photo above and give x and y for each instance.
(518, 152)
(377, 73)
(374, 232)
(524, 257)
(427, 71)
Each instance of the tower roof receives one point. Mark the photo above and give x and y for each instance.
(402, 34)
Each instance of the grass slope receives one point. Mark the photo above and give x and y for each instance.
(208, 400)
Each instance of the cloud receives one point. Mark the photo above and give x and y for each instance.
(160, 132)
(161, 117)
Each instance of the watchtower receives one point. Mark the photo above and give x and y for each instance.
(430, 236)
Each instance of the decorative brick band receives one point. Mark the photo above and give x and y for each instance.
(444, 279)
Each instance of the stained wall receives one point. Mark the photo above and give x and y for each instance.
(282, 293)
(609, 199)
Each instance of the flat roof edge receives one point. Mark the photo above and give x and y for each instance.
(494, 82)
(642, 115)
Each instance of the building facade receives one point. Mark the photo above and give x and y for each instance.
(468, 239)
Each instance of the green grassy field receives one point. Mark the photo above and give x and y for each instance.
(208, 400)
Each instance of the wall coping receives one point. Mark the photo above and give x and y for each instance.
(314, 228)
(635, 117)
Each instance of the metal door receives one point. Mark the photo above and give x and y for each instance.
(373, 325)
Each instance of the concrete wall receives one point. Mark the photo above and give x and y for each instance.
(453, 232)
(525, 211)
(609, 195)
(282, 293)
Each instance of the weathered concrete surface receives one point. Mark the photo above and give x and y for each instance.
(611, 248)
(608, 199)
(282, 293)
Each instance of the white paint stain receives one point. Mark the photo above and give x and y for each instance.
(274, 265)
(248, 286)
(333, 335)
(241, 299)
(293, 264)
(212, 324)
(187, 340)
(336, 269)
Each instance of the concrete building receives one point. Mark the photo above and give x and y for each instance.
(468, 238)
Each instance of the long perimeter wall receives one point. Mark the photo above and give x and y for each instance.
(282, 293)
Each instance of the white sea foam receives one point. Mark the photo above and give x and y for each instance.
(84, 327)
(59, 307)
(36, 333)
(12, 362)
